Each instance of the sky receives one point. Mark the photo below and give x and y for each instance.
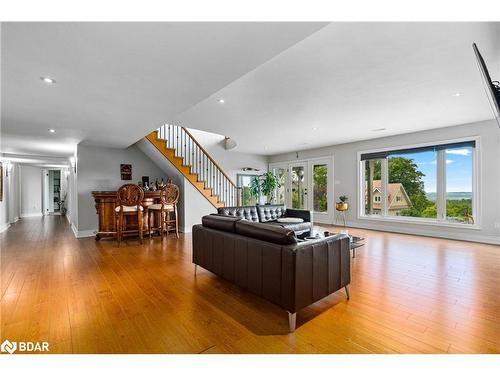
(458, 169)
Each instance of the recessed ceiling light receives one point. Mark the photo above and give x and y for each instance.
(315, 128)
(48, 80)
(378, 129)
(221, 101)
(52, 130)
(458, 94)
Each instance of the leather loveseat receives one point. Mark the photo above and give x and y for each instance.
(269, 261)
(269, 214)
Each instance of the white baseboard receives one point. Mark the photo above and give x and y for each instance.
(83, 233)
(186, 230)
(4, 227)
(16, 219)
(86, 233)
(31, 214)
(470, 237)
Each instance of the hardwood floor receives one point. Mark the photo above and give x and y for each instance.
(409, 294)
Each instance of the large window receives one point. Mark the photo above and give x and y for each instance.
(459, 168)
(298, 187)
(433, 183)
(411, 188)
(372, 186)
(244, 181)
(320, 187)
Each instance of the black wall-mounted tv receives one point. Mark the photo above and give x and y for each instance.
(492, 87)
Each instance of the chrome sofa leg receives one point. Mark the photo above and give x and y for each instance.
(347, 291)
(195, 269)
(292, 320)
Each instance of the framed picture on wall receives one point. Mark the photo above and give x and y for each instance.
(126, 171)
(1, 182)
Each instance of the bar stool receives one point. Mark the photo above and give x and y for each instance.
(128, 204)
(169, 195)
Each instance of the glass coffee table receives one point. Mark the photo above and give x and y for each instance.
(354, 241)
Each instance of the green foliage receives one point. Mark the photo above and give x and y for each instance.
(254, 189)
(265, 184)
(458, 209)
(430, 211)
(247, 198)
(343, 198)
(405, 171)
(269, 184)
(320, 174)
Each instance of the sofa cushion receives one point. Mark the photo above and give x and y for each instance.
(129, 208)
(157, 206)
(220, 222)
(270, 212)
(245, 212)
(264, 232)
(290, 220)
(296, 227)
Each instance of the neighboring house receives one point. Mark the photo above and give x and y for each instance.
(397, 200)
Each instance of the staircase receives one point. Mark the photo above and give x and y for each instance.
(195, 164)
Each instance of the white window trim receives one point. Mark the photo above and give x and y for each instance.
(440, 220)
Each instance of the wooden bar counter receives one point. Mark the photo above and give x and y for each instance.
(105, 204)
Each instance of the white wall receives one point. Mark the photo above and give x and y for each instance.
(10, 205)
(72, 199)
(231, 161)
(196, 206)
(31, 191)
(4, 206)
(98, 168)
(14, 198)
(346, 179)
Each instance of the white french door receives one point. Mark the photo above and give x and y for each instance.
(299, 186)
(307, 185)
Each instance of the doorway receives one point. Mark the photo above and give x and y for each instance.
(52, 192)
(307, 185)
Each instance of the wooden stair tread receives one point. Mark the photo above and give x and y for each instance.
(184, 169)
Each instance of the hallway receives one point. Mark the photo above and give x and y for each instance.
(409, 295)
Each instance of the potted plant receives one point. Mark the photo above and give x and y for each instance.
(265, 184)
(269, 184)
(255, 188)
(342, 205)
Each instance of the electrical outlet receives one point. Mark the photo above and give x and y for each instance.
(496, 225)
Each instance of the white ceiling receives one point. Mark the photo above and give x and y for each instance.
(350, 78)
(118, 81)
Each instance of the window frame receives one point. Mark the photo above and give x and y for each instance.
(329, 159)
(239, 180)
(441, 186)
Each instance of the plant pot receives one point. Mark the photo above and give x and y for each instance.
(342, 206)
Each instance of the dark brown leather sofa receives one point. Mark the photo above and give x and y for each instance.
(269, 262)
(269, 213)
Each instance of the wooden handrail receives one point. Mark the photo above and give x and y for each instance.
(209, 157)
